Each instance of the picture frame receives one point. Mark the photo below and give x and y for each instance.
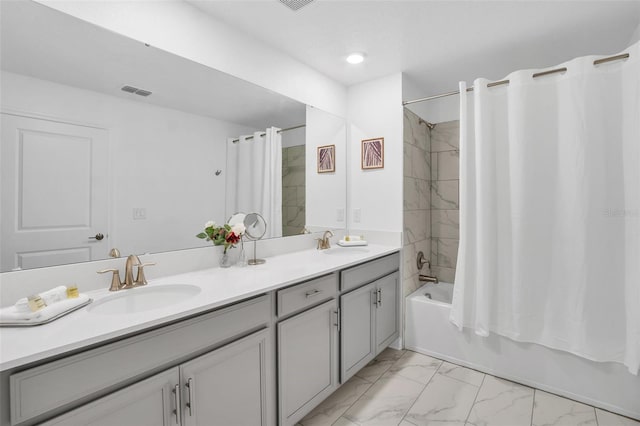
(326, 159)
(372, 154)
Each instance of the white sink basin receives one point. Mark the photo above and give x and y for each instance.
(343, 251)
(142, 299)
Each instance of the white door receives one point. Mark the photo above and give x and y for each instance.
(54, 193)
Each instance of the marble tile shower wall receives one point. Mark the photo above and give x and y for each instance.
(445, 213)
(293, 190)
(417, 197)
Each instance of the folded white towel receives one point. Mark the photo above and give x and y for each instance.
(11, 315)
(50, 297)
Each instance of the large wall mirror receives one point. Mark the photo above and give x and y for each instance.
(110, 143)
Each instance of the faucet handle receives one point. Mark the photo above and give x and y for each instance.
(140, 278)
(116, 284)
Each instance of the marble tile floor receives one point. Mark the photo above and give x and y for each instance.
(404, 388)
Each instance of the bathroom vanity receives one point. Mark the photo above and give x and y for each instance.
(256, 346)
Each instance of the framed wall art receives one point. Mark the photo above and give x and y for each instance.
(373, 154)
(326, 159)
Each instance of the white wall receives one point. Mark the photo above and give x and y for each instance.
(179, 28)
(433, 111)
(375, 110)
(293, 137)
(636, 35)
(176, 184)
(325, 192)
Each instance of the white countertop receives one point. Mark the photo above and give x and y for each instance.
(219, 287)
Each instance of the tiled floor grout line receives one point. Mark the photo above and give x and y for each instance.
(466, 420)
(533, 405)
(371, 384)
(421, 392)
(357, 399)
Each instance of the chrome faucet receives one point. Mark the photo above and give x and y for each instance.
(324, 243)
(128, 282)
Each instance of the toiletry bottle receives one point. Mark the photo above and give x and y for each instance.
(36, 303)
(72, 291)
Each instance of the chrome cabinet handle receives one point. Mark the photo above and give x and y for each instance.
(312, 293)
(190, 403)
(178, 410)
(380, 298)
(98, 237)
(337, 323)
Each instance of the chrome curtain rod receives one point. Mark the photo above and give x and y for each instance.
(279, 131)
(501, 82)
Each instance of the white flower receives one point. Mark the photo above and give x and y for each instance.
(210, 224)
(238, 228)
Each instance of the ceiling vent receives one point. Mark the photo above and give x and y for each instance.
(295, 5)
(131, 89)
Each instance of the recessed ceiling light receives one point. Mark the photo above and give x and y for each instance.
(355, 58)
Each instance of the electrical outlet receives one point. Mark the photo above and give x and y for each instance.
(357, 215)
(139, 213)
(340, 215)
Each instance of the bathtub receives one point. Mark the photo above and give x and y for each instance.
(602, 384)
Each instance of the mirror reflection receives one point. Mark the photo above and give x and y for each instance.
(108, 143)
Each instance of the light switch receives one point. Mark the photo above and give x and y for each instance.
(357, 215)
(340, 215)
(139, 213)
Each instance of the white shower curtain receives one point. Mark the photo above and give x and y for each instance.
(254, 178)
(550, 210)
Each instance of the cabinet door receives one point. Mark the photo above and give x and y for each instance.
(229, 385)
(307, 361)
(387, 321)
(357, 331)
(151, 402)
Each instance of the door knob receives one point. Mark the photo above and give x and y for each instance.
(98, 237)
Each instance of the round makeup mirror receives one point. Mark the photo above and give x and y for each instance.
(236, 218)
(256, 227)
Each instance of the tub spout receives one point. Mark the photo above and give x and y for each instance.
(428, 279)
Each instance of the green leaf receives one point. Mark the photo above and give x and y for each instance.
(202, 235)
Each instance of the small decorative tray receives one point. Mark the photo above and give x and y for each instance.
(352, 243)
(45, 318)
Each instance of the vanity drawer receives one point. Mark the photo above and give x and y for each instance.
(65, 383)
(307, 294)
(362, 274)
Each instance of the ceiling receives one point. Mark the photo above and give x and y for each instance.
(435, 43)
(40, 42)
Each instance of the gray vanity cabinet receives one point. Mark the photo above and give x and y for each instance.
(228, 384)
(369, 312)
(387, 319)
(307, 360)
(149, 402)
(357, 331)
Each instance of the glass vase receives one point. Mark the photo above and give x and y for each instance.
(225, 260)
(242, 258)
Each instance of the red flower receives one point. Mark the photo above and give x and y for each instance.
(232, 238)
